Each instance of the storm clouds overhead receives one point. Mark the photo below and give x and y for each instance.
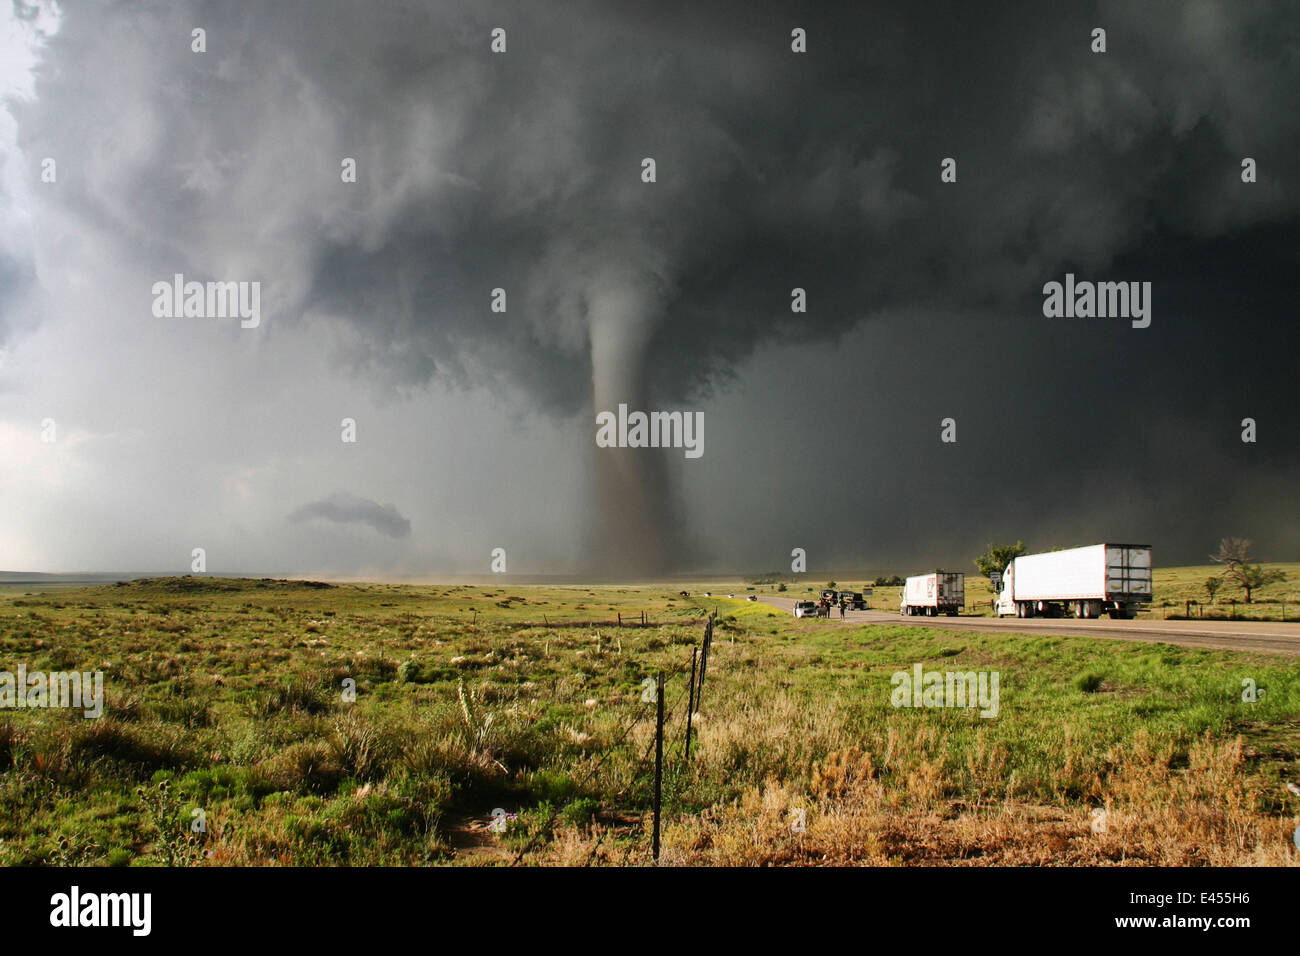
(503, 268)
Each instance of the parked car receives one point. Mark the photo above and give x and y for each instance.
(831, 596)
(853, 600)
(751, 597)
(805, 609)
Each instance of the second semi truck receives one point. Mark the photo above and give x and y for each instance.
(939, 592)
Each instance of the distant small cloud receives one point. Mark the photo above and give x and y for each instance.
(344, 508)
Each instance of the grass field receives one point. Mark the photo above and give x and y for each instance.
(228, 697)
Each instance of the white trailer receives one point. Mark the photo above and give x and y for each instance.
(1086, 582)
(939, 592)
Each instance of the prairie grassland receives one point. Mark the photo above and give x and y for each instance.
(1175, 586)
(228, 697)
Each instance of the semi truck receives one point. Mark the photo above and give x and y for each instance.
(1114, 579)
(939, 592)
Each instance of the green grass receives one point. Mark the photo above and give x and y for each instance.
(228, 696)
(1176, 586)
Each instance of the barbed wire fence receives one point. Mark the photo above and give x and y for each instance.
(652, 707)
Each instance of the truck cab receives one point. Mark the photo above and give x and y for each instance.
(1006, 597)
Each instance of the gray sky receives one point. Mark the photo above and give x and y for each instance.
(522, 170)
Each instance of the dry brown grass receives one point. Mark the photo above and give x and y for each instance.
(850, 811)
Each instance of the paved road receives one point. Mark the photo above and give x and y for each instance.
(1268, 636)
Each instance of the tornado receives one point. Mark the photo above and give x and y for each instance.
(635, 530)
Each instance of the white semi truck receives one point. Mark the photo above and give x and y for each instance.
(939, 592)
(1086, 582)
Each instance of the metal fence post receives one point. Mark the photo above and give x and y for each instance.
(690, 702)
(704, 661)
(659, 758)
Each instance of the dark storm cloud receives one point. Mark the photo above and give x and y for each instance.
(775, 170)
(344, 508)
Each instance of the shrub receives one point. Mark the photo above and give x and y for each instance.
(412, 671)
(306, 767)
(1089, 682)
(581, 811)
(356, 746)
(433, 791)
(533, 827)
(295, 695)
(8, 744)
(477, 725)
(142, 749)
(189, 712)
(554, 786)
(62, 659)
(175, 843)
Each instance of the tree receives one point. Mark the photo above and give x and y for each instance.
(1234, 553)
(1212, 585)
(997, 557)
(1252, 576)
(832, 585)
